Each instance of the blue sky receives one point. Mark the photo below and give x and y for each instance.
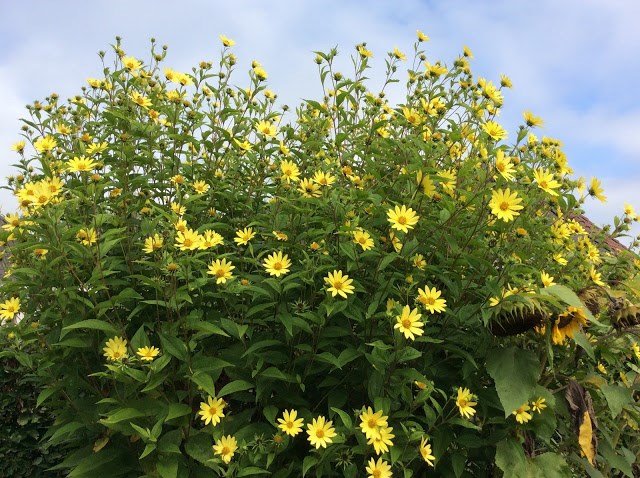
(575, 63)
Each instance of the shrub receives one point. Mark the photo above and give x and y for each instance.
(218, 287)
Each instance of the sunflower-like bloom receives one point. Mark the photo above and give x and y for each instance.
(402, 218)
(212, 411)
(465, 402)
(9, 308)
(363, 239)
(522, 413)
(430, 299)
(545, 181)
(408, 323)
(339, 284)
(277, 264)
(116, 349)
(148, 353)
(221, 269)
(505, 204)
(320, 432)
(226, 448)
(243, 236)
(378, 469)
(290, 423)
(371, 423)
(425, 451)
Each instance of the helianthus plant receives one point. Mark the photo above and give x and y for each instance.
(231, 288)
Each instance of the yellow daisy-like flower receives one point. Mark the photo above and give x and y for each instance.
(116, 349)
(226, 448)
(363, 239)
(281, 236)
(46, 144)
(531, 120)
(421, 36)
(402, 218)
(9, 308)
(221, 269)
(538, 405)
(430, 299)
(320, 432)
(290, 423)
(522, 414)
(412, 116)
(494, 130)
(545, 181)
(12, 221)
(425, 451)
(153, 243)
(339, 284)
(378, 469)
(371, 423)
(290, 171)
(504, 166)
(309, 189)
(212, 411)
(465, 402)
(87, 237)
(277, 264)
(188, 240)
(81, 165)
(260, 73)
(323, 179)
(408, 323)
(267, 128)
(505, 204)
(19, 146)
(210, 239)
(596, 277)
(178, 209)
(636, 349)
(595, 190)
(383, 440)
(131, 63)
(243, 236)
(226, 41)
(602, 368)
(148, 354)
(140, 100)
(505, 81)
(200, 187)
(547, 280)
(560, 259)
(97, 148)
(567, 324)
(399, 55)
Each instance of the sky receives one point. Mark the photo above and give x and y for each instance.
(575, 63)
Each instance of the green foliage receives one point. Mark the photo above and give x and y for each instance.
(193, 262)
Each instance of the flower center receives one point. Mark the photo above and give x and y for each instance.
(406, 323)
(320, 433)
(337, 284)
(377, 473)
(504, 205)
(220, 273)
(225, 450)
(277, 266)
(213, 410)
(462, 403)
(402, 220)
(187, 242)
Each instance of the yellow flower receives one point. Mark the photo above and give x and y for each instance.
(40, 252)
(281, 236)
(399, 55)
(412, 116)
(226, 448)
(538, 405)
(309, 189)
(595, 190)
(494, 130)
(545, 181)
(290, 171)
(363, 239)
(189, 240)
(178, 209)
(419, 261)
(97, 148)
(429, 298)
(320, 432)
(531, 119)
(629, 211)
(596, 277)
(9, 308)
(567, 324)
(200, 187)
(226, 41)
(81, 164)
(46, 144)
(340, 284)
(505, 81)
(267, 128)
(243, 236)
(260, 73)
(180, 225)
(210, 239)
(547, 280)
(465, 402)
(87, 237)
(425, 451)
(148, 353)
(371, 423)
(382, 441)
(277, 264)
(221, 269)
(560, 259)
(378, 469)
(522, 414)
(289, 423)
(116, 349)
(602, 368)
(153, 243)
(421, 36)
(505, 204)
(212, 410)
(140, 100)
(408, 322)
(364, 53)
(12, 221)
(402, 218)
(504, 166)
(323, 179)
(18, 146)
(131, 63)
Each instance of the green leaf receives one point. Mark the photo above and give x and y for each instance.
(46, 393)
(581, 339)
(167, 466)
(205, 382)
(509, 454)
(346, 419)
(121, 415)
(308, 463)
(617, 398)
(235, 386)
(569, 297)
(174, 346)
(177, 410)
(252, 470)
(91, 324)
(515, 373)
